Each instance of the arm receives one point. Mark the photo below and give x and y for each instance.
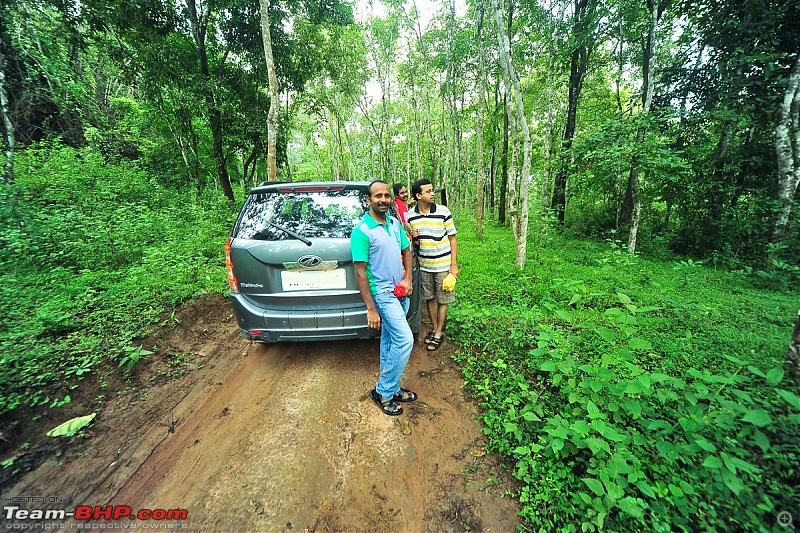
(453, 255)
(373, 318)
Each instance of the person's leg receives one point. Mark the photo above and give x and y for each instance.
(433, 312)
(427, 285)
(397, 340)
(441, 316)
(443, 299)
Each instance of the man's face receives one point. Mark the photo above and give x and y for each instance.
(403, 194)
(427, 194)
(379, 198)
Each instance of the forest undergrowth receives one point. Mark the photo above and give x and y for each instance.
(627, 393)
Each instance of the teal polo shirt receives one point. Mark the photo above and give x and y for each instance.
(380, 246)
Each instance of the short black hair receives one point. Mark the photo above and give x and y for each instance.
(397, 187)
(416, 188)
(373, 182)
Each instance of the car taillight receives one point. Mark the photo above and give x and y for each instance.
(233, 283)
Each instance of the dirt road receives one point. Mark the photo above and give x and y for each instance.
(275, 438)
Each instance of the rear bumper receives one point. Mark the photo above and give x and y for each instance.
(262, 324)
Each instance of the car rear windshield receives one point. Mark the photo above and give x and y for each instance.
(331, 214)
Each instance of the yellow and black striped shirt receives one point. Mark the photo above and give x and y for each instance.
(434, 231)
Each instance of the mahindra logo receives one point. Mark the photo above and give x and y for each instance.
(310, 261)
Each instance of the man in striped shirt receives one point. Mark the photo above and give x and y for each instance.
(432, 227)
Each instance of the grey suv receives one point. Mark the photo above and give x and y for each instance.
(290, 269)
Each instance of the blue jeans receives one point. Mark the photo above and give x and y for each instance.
(396, 342)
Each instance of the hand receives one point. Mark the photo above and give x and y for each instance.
(454, 270)
(408, 285)
(373, 319)
(415, 234)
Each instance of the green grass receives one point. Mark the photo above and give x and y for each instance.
(92, 256)
(627, 393)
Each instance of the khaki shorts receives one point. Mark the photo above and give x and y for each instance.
(431, 285)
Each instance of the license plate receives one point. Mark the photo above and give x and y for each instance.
(311, 280)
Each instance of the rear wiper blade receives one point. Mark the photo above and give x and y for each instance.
(290, 233)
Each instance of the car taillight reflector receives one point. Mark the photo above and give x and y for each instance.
(255, 332)
(233, 283)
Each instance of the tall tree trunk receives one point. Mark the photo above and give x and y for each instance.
(274, 97)
(479, 124)
(583, 29)
(656, 8)
(333, 126)
(9, 138)
(520, 219)
(199, 24)
(504, 166)
(548, 149)
(787, 148)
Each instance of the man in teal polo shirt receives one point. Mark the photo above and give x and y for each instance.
(378, 242)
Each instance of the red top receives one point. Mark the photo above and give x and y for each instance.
(402, 210)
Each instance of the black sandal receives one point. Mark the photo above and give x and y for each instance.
(435, 343)
(429, 336)
(389, 407)
(404, 395)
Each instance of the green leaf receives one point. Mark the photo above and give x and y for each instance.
(675, 490)
(646, 489)
(624, 298)
(548, 366)
(630, 506)
(594, 485)
(712, 462)
(792, 398)
(757, 371)
(705, 444)
(68, 428)
(637, 343)
(592, 409)
(757, 417)
(609, 432)
(557, 445)
(580, 427)
(596, 445)
(614, 491)
(606, 334)
(530, 416)
(564, 315)
(732, 482)
(633, 407)
(575, 299)
(761, 440)
(634, 387)
(775, 376)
